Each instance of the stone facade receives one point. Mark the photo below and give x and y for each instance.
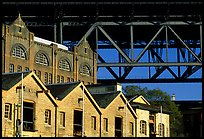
(119, 108)
(32, 47)
(38, 99)
(78, 99)
(149, 119)
(74, 111)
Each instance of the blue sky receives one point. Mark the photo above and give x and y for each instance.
(183, 91)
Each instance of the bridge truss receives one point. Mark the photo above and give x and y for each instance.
(136, 42)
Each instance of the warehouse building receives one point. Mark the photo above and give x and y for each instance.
(52, 62)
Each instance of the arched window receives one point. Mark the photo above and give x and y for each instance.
(41, 59)
(143, 127)
(64, 65)
(84, 70)
(18, 52)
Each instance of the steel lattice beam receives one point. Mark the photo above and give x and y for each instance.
(161, 20)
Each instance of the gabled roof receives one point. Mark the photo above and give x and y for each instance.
(141, 99)
(11, 79)
(151, 108)
(137, 99)
(19, 22)
(104, 99)
(61, 90)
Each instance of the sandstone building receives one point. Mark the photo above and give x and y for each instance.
(50, 90)
(52, 62)
(38, 106)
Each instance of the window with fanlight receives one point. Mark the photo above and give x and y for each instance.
(18, 52)
(64, 65)
(42, 59)
(85, 70)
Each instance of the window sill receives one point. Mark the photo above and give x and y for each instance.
(8, 120)
(62, 127)
(46, 125)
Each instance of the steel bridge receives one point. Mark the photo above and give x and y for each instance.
(161, 40)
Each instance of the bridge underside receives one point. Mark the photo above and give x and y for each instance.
(137, 42)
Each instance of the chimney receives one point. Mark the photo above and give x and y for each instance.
(173, 97)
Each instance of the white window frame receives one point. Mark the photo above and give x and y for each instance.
(8, 111)
(64, 65)
(161, 129)
(42, 59)
(105, 124)
(84, 70)
(62, 119)
(19, 68)
(143, 127)
(48, 117)
(93, 122)
(18, 52)
(11, 67)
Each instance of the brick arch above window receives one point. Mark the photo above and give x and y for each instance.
(42, 58)
(85, 69)
(64, 64)
(18, 51)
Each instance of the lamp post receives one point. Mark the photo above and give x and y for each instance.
(22, 105)
(83, 113)
(22, 96)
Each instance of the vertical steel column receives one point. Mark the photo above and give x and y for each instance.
(149, 62)
(167, 43)
(95, 67)
(131, 42)
(61, 33)
(96, 40)
(178, 58)
(201, 42)
(55, 32)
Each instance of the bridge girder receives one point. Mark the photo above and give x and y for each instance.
(131, 32)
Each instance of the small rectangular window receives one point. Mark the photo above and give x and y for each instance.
(93, 122)
(39, 74)
(131, 128)
(8, 111)
(50, 78)
(11, 67)
(28, 116)
(85, 50)
(68, 79)
(46, 77)
(62, 79)
(26, 68)
(143, 127)
(105, 124)
(58, 79)
(72, 80)
(77, 122)
(62, 119)
(161, 130)
(48, 117)
(19, 68)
